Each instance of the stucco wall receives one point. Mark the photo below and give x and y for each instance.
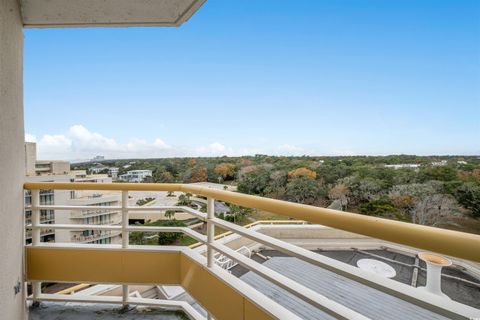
(12, 159)
(30, 157)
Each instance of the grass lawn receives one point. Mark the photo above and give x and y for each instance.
(265, 215)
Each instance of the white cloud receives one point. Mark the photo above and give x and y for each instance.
(30, 138)
(83, 139)
(79, 143)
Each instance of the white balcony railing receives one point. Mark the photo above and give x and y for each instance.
(443, 241)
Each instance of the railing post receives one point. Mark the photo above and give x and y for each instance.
(36, 285)
(125, 240)
(210, 236)
(210, 230)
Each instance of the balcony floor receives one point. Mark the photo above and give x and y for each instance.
(74, 311)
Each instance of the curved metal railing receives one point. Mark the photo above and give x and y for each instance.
(452, 243)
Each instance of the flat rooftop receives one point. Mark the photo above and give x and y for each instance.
(354, 295)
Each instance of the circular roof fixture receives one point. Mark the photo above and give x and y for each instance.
(377, 267)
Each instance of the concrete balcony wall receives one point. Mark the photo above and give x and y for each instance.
(12, 159)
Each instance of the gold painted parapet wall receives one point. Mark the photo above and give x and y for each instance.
(145, 266)
(102, 265)
(452, 243)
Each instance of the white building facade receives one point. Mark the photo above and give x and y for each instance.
(135, 175)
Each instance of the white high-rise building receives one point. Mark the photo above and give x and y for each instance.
(59, 171)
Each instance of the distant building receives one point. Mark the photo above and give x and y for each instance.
(135, 175)
(461, 162)
(113, 172)
(97, 158)
(439, 163)
(98, 168)
(403, 165)
(42, 167)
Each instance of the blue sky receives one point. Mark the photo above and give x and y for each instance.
(331, 77)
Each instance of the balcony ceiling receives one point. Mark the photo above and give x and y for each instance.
(94, 13)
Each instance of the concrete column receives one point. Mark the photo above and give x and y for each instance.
(12, 161)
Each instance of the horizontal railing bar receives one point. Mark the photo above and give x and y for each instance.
(140, 228)
(154, 208)
(391, 287)
(229, 233)
(185, 209)
(187, 231)
(75, 227)
(173, 304)
(55, 207)
(195, 235)
(453, 243)
(103, 186)
(314, 298)
(110, 247)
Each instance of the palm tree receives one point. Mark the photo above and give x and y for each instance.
(170, 214)
(184, 200)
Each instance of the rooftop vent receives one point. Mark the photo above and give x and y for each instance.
(435, 263)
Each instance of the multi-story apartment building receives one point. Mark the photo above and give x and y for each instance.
(42, 167)
(62, 173)
(52, 167)
(50, 171)
(94, 216)
(47, 197)
(135, 175)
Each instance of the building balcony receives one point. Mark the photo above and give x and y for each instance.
(81, 214)
(46, 232)
(96, 235)
(307, 268)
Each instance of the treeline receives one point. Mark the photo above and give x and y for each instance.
(427, 190)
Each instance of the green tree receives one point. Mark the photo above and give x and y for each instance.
(170, 214)
(445, 173)
(254, 182)
(304, 189)
(468, 195)
(184, 200)
(382, 207)
(160, 238)
(237, 213)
